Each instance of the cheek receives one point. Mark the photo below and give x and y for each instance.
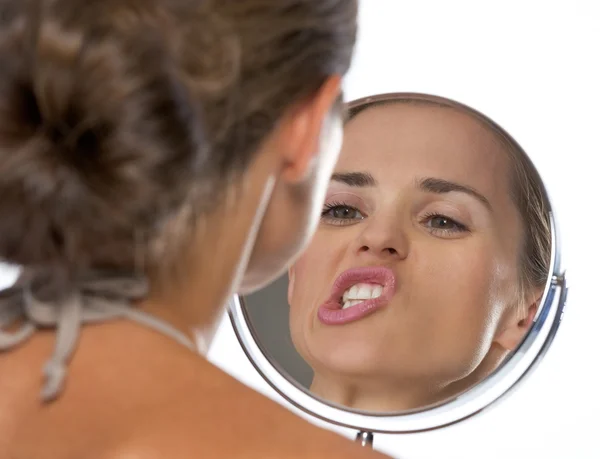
(286, 226)
(457, 285)
(461, 270)
(311, 277)
(314, 272)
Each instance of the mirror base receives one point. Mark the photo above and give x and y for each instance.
(365, 439)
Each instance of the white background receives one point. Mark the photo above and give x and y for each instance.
(534, 67)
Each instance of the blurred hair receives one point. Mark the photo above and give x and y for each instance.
(120, 119)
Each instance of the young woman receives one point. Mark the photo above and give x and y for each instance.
(430, 260)
(155, 156)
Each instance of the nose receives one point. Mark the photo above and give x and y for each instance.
(383, 237)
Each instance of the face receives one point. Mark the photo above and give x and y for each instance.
(418, 217)
(293, 211)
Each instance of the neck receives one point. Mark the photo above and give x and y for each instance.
(214, 267)
(373, 396)
(394, 394)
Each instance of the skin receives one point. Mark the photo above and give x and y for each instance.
(132, 392)
(456, 312)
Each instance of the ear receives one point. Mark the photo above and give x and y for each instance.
(517, 326)
(300, 130)
(291, 279)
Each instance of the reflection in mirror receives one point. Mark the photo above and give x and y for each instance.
(428, 266)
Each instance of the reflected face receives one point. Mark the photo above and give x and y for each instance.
(419, 217)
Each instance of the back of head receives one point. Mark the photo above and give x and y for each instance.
(115, 114)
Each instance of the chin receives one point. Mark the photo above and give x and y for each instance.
(252, 283)
(258, 277)
(350, 361)
(262, 271)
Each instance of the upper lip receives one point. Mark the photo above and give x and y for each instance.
(381, 275)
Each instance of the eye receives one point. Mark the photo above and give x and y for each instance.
(438, 223)
(340, 214)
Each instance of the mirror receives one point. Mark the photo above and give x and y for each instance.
(433, 283)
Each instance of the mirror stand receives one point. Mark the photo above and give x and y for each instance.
(365, 439)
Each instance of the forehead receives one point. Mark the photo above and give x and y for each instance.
(407, 140)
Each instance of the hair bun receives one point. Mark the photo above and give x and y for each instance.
(97, 140)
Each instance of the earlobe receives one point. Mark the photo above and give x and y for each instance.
(512, 335)
(527, 321)
(302, 128)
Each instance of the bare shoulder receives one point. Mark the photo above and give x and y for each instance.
(123, 404)
(220, 417)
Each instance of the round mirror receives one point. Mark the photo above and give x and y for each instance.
(433, 284)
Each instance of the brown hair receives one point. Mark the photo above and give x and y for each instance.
(527, 188)
(113, 111)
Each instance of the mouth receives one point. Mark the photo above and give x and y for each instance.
(358, 293)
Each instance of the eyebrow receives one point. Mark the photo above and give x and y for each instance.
(357, 179)
(429, 185)
(440, 186)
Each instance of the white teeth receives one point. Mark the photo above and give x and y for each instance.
(359, 292)
(377, 291)
(364, 292)
(349, 304)
(350, 293)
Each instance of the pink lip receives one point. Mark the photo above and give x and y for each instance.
(331, 312)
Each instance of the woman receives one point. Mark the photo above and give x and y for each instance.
(430, 260)
(151, 155)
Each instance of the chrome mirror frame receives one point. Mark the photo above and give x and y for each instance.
(485, 394)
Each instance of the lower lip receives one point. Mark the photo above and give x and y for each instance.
(332, 314)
